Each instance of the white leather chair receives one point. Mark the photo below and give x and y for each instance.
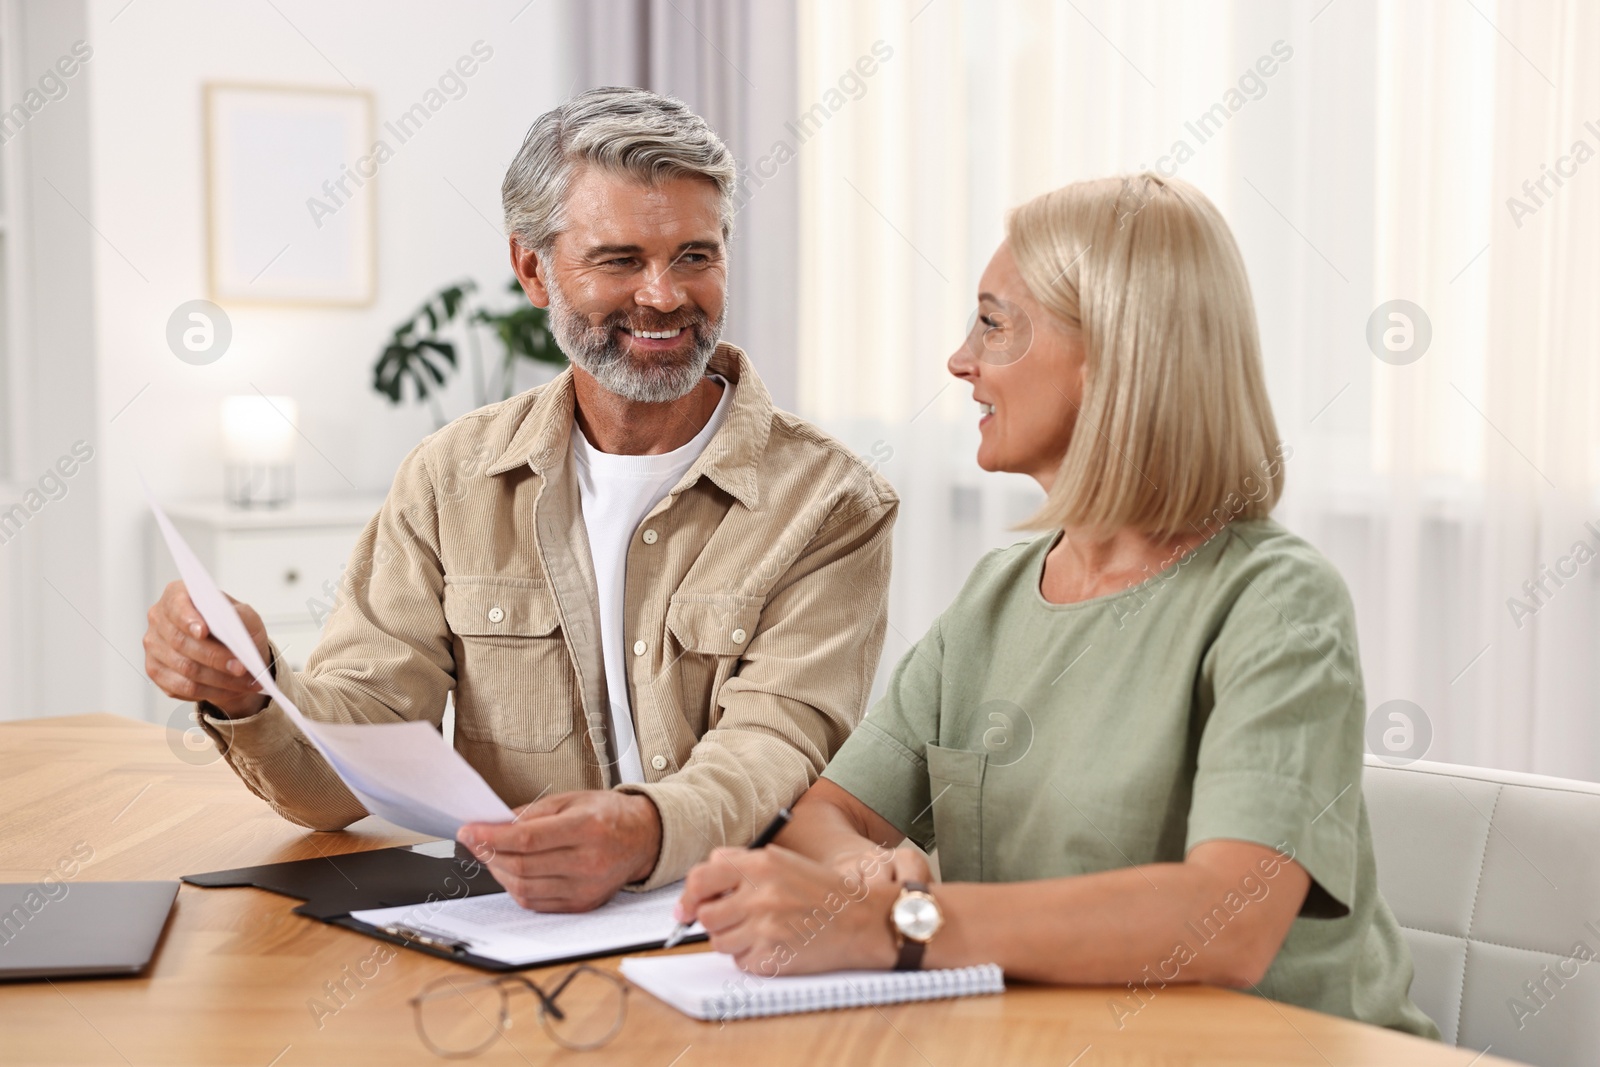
(1495, 879)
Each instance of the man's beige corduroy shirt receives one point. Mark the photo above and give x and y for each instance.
(755, 613)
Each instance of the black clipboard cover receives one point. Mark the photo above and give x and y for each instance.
(334, 886)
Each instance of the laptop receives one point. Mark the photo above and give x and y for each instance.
(73, 929)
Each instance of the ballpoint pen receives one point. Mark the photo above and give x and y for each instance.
(763, 839)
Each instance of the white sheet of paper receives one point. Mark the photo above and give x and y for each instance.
(495, 927)
(403, 772)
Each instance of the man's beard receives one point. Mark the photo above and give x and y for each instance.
(599, 350)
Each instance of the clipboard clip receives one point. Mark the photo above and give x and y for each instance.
(423, 937)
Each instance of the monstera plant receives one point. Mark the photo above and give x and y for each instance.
(422, 349)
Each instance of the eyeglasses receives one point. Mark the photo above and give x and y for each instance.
(458, 1018)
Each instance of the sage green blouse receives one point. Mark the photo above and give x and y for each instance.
(1220, 698)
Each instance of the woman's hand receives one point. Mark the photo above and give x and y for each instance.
(777, 912)
(879, 865)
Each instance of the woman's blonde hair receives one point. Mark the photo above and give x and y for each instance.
(1175, 433)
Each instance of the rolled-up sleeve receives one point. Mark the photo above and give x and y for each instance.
(884, 764)
(385, 656)
(1279, 761)
(800, 689)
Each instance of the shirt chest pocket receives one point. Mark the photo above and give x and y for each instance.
(713, 624)
(514, 685)
(955, 778)
(712, 632)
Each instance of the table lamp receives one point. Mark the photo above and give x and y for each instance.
(258, 450)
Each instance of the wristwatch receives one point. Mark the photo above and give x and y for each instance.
(915, 918)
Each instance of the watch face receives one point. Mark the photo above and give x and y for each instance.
(916, 915)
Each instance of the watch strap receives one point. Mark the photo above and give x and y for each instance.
(911, 953)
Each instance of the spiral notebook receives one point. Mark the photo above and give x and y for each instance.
(708, 985)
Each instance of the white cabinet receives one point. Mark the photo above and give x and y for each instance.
(286, 563)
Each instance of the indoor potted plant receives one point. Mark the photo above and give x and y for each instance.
(423, 351)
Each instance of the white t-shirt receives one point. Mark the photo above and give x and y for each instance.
(616, 493)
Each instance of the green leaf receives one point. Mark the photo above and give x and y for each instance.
(438, 375)
(390, 370)
(447, 349)
(454, 296)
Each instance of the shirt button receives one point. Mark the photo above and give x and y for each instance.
(738, 636)
(649, 537)
(639, 647)
(659, 763)
(496, 615)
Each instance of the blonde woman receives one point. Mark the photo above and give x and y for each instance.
(1136, 740)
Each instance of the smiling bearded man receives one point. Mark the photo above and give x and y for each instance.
(658, 600)
(597, 348)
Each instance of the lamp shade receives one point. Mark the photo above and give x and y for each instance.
(258, 430)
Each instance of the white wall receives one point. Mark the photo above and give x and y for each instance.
(147, 200)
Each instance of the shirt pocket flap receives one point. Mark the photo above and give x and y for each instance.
(499, 607)
(714, 624)
(955, 766)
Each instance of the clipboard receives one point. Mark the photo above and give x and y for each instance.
(331, 887)
(498, 966)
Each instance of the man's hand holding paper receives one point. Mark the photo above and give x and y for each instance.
(401, 771)
(186, 661)
(570, 851)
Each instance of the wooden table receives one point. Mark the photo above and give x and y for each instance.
(236, 972)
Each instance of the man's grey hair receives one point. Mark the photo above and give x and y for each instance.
(625, 130)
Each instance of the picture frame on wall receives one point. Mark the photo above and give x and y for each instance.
(290, 198)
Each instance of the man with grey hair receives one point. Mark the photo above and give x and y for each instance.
(657, 600)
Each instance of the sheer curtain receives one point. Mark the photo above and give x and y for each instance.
(1382, 159)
